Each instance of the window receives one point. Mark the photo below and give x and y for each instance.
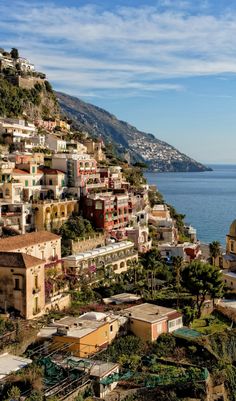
(7, 192)
(98, 205)
(50, 182)
(36, 284)
(26, 183)
(111, 328)
(232, 246)
(42, 254)
(63, 183)
(53, 252)
(33, 182)
(33, 170)
(17, 284)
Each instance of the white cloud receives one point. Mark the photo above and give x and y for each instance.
(131, 49)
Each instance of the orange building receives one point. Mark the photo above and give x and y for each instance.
(148, 321)
(88, 333)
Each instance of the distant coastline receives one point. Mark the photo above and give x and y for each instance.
(207, 199)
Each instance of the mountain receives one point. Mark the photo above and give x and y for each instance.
(129, 141)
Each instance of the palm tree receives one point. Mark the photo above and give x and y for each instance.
(215, 250)
(135, 268)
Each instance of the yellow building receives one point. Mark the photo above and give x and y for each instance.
(229, 259)
(88, 333)
(42, 245)
(229, 279)
(22, 284)
(94, 149)
(52, 214)
(44, 248)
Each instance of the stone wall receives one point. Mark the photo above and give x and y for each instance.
(227, 311)
(85, 244)
(25, 83)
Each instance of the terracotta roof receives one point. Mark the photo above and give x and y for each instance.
(18, 171)
(52, 171)
(17, 259)
(24, 240)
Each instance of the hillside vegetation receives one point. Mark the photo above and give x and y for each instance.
(38, 102)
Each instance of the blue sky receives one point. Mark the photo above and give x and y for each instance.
(166, 66)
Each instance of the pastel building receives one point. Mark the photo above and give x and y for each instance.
(148, 321)
(79, 168)
(93, 265)
(87, 334)
(55, 143)
(16, 131)
(22, 283)
(43, 245)
(17, 216)
(229, 258)
(107, 211)
(187, 251)
(51, 214)
(38, 251)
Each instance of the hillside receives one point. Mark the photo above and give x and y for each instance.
(129, 141)
(36, 102)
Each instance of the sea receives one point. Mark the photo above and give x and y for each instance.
(207, 199)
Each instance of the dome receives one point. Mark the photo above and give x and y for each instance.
(232, 230)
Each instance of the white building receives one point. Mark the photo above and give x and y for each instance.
(93, 264)
(54, 143)
(16, 131)
(25, 65)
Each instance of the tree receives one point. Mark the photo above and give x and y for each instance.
(35, 396)
(13, 394)
(215, 250)
(14, 53)
(177, 262)
(151, 259)
(135, 268)
(202, 280)
(75, 227)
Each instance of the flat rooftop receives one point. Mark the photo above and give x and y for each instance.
(78, 327)
(104, 250)
(95, 368)
(160, 208)
(148, 312)
(122, 298)
(11, 363)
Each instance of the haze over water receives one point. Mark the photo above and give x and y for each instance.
(208, 199)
